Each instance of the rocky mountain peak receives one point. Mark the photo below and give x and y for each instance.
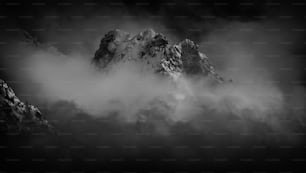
(154, 52)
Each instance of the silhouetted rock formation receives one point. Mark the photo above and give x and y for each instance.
(155, 53)
(16, 115)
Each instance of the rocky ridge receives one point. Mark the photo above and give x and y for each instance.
(154, 52)
(16, 115)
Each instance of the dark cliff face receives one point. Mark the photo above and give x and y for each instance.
(155, 53)
(16, 115)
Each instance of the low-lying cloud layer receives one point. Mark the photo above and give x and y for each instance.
(133, 95)
(127, 90)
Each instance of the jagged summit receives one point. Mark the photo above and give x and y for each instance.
(16, 115)
(155, 53)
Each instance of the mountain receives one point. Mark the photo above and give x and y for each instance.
(149, 49)
(18, 116)
(154, 52)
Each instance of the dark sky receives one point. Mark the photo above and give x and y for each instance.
(66, 22)
(182, 17)
(179, 16)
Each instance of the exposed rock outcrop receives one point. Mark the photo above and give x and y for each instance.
(155, 53)
(16, 115)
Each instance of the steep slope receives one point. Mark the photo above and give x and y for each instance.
(154, 52)
(16, 115)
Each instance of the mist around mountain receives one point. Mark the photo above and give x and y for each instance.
(148, 78)
(131, 97)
